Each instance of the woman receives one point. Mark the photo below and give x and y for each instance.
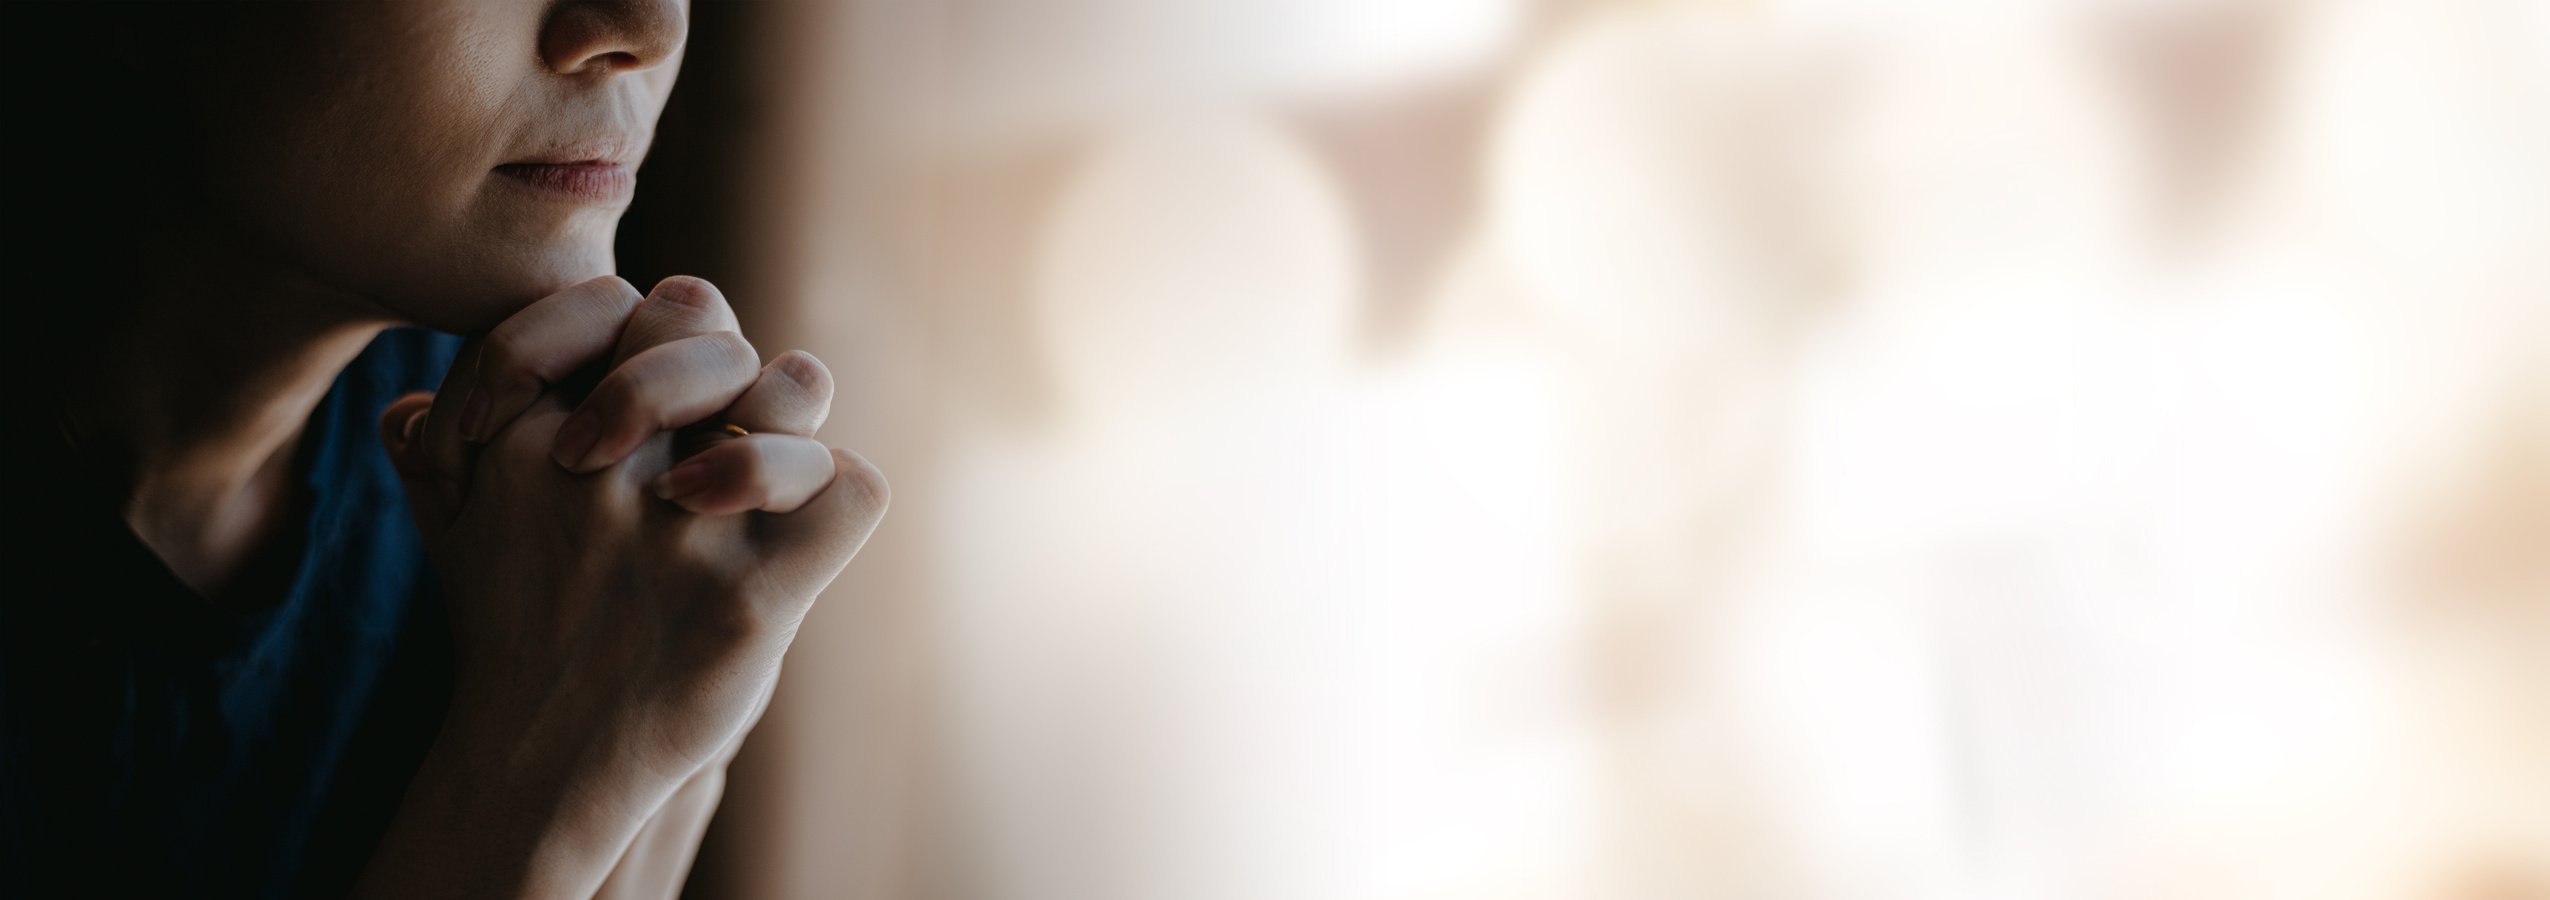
(292, 623)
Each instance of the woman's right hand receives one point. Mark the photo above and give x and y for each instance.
(611, 642)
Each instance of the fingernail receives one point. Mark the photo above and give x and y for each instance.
(576, 439)
(473, 415)
(685, 479)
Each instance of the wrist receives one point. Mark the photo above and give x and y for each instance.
(496, 811)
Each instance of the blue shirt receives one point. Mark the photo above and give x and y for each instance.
(154, 743)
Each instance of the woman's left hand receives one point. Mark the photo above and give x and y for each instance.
(667, 362)
(676, 358)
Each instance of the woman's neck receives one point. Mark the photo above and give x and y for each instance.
(198, 399)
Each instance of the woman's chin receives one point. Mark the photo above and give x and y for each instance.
(478, 305)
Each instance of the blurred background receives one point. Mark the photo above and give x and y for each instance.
(1491, 449)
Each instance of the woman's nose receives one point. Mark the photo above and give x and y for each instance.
(612, 36)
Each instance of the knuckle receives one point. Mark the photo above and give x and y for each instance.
(805, 371)
(519, 449)
(685, 290)
(626, 394)
(512, 378)
(867, 484)
(753, 495)
(607, 304)
(749, 469)
(502, 346)
(730, 350)
(506, 362)
(729, 616)
(594, 507)
(500, 357)
(671, 375)
(679, 307)
(612, 286)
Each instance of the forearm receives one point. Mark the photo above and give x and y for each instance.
(488, 816)
(660, 858)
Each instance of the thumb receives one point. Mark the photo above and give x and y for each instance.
(402, 427)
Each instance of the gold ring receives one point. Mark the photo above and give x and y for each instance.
(737, 430)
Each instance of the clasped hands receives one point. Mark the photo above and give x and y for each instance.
(622, 573)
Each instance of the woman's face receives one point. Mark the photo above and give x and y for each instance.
(451, 161)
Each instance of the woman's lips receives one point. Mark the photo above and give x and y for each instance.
(586, 182)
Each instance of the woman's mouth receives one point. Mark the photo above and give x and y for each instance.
(583, 182)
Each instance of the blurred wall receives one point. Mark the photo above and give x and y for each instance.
(1497, 449)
